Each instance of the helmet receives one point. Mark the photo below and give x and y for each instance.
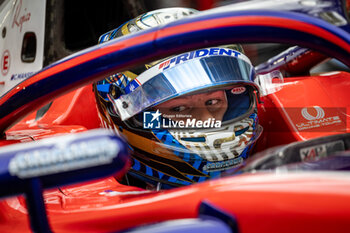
(187, 118)
(148, 20)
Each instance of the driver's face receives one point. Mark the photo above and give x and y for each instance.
(199, 106)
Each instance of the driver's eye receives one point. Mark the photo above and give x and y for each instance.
(178, 108)
(212, 102)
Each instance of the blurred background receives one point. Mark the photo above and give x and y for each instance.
(71, 26)
(75, 25)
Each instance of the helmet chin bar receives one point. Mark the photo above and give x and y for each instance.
(220, 144)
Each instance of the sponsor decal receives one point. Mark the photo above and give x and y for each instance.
(21, 76)
(320, 151)
(317, 119)
(316, 113)
(238, 90)
(5, 62)
(20, 17)
(132, 86)
(65, 158)
(223, 165)
(154, 120)
(196, 54)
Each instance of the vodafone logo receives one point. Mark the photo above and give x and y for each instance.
(312, 113)
(238, 90)
(5, 62)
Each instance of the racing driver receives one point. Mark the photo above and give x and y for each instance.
(187, 118)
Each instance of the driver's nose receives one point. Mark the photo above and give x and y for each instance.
(202, 114)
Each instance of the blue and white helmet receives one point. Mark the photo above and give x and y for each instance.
(187, 118)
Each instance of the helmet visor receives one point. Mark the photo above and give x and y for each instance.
(183, 74)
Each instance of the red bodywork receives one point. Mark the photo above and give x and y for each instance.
(303, 202)
(266, 203)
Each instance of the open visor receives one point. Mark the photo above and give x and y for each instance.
(189, 72)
